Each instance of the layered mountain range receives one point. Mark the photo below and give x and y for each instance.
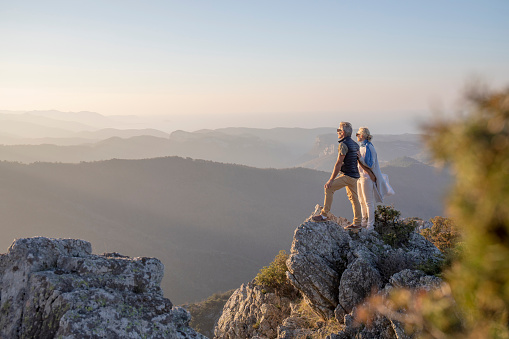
(52, 136)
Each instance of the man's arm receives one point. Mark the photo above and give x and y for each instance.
(335, 172)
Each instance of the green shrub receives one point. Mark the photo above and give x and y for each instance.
(393, 231)
(273, 277)
(433, 266)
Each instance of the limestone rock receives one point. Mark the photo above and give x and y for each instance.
(294, 327)
(415, 279)
(252, 313)
(318, 258)
(379, 328)
(56, 288)
(358, 281)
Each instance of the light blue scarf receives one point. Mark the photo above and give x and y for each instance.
(368, 158)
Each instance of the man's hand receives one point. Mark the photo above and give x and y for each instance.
(328, 184)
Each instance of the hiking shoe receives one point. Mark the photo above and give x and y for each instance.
(319, 218)
(352, 227)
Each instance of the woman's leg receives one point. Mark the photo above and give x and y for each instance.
(364, 208)
(369, 196)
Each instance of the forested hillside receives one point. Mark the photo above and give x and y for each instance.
(213, 225)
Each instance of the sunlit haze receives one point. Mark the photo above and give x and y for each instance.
(211, 64)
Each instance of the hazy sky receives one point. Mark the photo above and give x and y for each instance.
(250, 63)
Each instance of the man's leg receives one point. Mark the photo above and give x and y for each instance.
(337, 184)
(351, 190)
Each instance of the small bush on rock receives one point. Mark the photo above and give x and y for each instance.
(433, 266)
(274, 277)
(393, 231)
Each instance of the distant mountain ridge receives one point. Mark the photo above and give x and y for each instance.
(323, 155)
(82, 136)
(276, 148)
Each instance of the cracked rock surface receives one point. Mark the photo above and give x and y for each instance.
(56, 288)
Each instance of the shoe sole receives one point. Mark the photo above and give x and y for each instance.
(352, 228)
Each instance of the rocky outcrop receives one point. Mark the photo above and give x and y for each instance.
(335, 271)
(56, 288)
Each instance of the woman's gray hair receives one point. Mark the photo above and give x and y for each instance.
(346, 127)
(365, 131)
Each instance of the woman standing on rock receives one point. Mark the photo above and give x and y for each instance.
(372, 185)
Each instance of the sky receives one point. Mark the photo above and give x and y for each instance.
(209, 64)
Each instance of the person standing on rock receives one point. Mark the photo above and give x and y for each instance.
(372, 185)
(345, 174)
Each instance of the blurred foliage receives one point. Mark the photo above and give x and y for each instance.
(205, 314)
(476, 145)
(475, 302)
(394, 231)
(420, 312)
(274, 278)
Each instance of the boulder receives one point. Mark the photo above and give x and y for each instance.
(252, 312)
(318, 258)
(358, 281)
(56, 288)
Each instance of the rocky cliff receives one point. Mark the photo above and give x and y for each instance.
(334, 271)
(56, 288)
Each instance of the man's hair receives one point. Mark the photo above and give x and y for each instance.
(346, 127)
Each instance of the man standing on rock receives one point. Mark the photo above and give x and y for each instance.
(346, 167)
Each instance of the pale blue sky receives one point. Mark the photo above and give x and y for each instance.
(250, 63)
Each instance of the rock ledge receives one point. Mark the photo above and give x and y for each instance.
(56, 288)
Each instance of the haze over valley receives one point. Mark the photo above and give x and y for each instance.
(213, 222)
